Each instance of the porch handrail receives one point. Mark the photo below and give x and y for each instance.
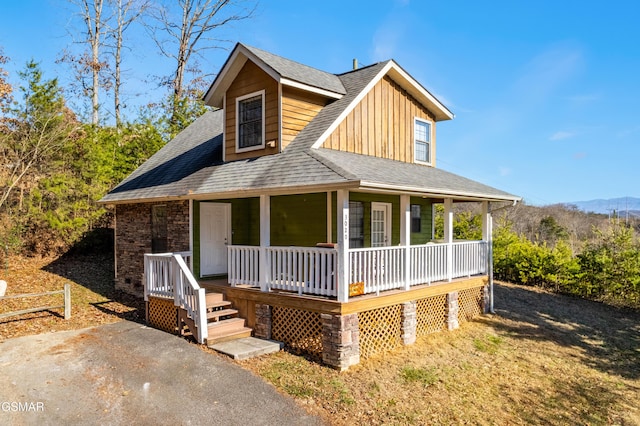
(190, 296)
(167, 275)
(305, 270)
(157, 279)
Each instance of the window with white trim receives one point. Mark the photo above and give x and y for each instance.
(422, 141)
(250, 121)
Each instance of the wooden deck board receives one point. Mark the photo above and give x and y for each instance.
(244, 295)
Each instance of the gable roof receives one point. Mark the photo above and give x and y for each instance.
(283, 70)
(191, 167)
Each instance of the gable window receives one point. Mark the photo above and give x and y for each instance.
(416, 218)
(422, 141)
(250, 121)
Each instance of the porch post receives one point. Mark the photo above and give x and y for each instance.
(329, 210)
(448, 235)
(405, 237)
(265, 240)
(342, 280)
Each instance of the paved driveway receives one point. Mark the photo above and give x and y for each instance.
(126, 373)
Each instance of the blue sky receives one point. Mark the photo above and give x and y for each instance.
(546, 94)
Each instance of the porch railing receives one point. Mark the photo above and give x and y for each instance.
(243, 265)
(380, 268)
(310, 270)
(305, 270)
(469, 258)
(167, 275)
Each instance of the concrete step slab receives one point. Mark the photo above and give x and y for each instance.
(247, 347)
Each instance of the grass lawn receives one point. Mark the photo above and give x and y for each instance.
(541, 359)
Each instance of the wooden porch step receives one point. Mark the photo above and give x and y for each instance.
(217, 305)
(229, 329)
(212, 297)
(225, 337)
(221, 313)
(228, 325)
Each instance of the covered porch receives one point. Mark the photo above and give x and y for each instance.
(395, 250)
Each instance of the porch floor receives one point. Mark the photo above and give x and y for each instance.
(355, 303)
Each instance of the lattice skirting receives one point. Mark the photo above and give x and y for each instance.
(301, 331)
(162, 314)
(380, 330)
(471, 303)
(431, 315)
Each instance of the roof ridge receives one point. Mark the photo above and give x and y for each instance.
(364, 67)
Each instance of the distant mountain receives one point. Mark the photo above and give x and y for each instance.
(619, 205)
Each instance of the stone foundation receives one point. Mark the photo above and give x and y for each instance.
(340, 340)
(262, 329)
(453, 309)
(133, 240)
(409, 322)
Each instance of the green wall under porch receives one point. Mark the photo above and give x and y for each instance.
(301, 220)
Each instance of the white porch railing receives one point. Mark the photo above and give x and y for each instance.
(310, 270)
(469, 258)
(167, 275)
(243, 265)
(380, 268)
(306, 270)
(428, 264)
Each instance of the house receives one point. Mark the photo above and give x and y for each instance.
(306, 199)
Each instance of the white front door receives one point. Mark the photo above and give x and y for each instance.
(380, 224)
(215, 234)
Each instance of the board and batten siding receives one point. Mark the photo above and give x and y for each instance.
(381, 124)
(298, 109)
(251, 79)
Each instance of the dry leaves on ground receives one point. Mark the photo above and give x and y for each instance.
(93, 298)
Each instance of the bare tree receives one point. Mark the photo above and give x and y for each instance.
(126, 13)
(90, 62)
(184, 38)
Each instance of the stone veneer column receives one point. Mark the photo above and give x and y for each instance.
(486, 299)
(340, 340)
(453, 308)
(262, 328)
(409, 322)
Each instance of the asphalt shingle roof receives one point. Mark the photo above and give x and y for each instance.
(299, 72)
(191, 164)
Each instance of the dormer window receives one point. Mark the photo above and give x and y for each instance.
(422, 141)
(250, 121)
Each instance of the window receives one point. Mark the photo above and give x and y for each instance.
(416, 218)
(356, 224)
(159, 228)
(250, 122)
(422, 141)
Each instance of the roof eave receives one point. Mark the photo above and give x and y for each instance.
(234, 63)
(435, 193)
(400, 76)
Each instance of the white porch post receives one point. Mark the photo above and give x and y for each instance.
(448, 235)
(405, 237)
(329, 210)
(265, 240)
(344, 271)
